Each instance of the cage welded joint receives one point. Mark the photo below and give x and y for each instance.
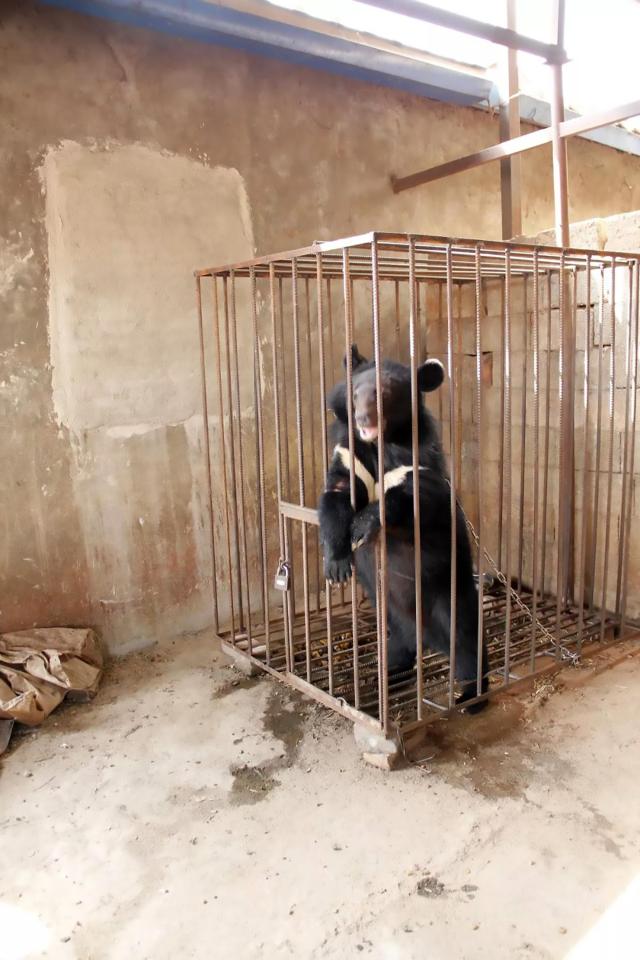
(537, 421)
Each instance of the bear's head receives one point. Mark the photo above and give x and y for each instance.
(396, 396)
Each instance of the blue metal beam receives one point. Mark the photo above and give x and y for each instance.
(214, 24)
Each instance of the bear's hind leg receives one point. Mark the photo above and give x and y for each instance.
(437, 637)
(401, 645)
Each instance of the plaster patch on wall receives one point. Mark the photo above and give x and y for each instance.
(126, 228)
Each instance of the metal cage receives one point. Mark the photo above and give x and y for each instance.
(538, 421)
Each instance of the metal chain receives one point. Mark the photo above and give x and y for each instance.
(565, 653)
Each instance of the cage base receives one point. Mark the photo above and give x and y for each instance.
(328, 665)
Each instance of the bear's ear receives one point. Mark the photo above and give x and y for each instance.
(430, 375)
(356, 358)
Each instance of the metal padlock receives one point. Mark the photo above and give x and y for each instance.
(283, 574)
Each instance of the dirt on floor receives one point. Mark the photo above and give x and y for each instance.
(189, 812)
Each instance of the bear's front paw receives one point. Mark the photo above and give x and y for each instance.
(364, 529)
(338, 571)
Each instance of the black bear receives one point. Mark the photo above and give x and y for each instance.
(348, 536)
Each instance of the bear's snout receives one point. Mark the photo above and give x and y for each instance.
(366, 416)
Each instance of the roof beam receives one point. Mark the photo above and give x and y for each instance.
(528, 141)
(538, 114)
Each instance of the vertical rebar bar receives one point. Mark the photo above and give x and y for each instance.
(290, 543)
(566, 482)
(262, 519)
(383, 673)
(545, 456)
(312, 430)
(325, 454)
(275, 344)
(418, 310)
(240, 460)
(625, 462)
(454, 479)
(585, 456)
(562, 543)
(232, 454)
(458, 352)
(301, 477)
(416, 400)
(508, 458)
(479, 470)
(348, 335)
(332, 352)
(502, 452)
(223, 447)
(396, 284)
(634, 401)
(612, 412)
(423, 342)
(285, 400)
(332, 357)
(598, 465)
(523, 428)
(207, 447)
(536, 451)
(444, 352)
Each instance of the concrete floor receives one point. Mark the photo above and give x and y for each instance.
(187, 813)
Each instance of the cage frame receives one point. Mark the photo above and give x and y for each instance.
(312, 262)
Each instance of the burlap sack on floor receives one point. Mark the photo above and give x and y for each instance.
(39, 668)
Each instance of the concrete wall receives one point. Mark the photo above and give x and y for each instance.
(128, 158)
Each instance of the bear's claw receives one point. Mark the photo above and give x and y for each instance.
(364, 529)
(338, 571)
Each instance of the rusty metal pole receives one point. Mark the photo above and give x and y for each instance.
(559, 148)
(207, 447)
(509, 123)
(567, 347)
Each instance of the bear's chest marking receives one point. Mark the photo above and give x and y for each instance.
(392, 478)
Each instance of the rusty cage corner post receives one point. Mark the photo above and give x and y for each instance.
(279, 493)
(336, 648)
(634, 296)
(325, 451)
(415, 465)
(257, 403)
(479, 470)
(207, 447)
(348, 343)
(453, 484)
(381, 551)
